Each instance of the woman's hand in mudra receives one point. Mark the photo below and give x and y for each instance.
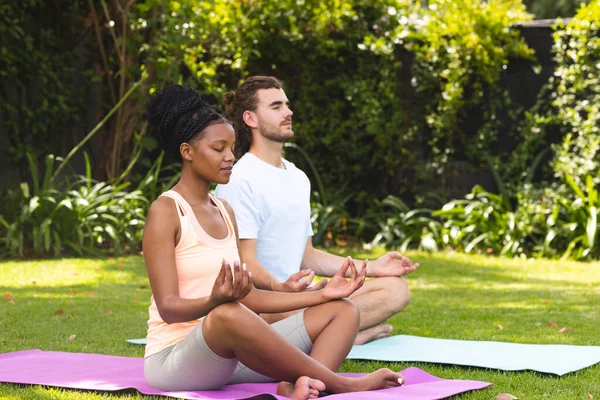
(231, 286)
(339, 287)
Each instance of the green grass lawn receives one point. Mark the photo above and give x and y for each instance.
(87, 305)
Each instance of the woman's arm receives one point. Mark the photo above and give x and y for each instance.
(338, 287)
(161, 234)
(265, 301)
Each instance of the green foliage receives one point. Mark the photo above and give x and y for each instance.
(76, 215)
(330, 220)
(577, 95)
(555, 218)
(407, 228)
(549, 222)
(546, 9)
(342, 97)
(401, 107)
(580, 215)
(193, 42)
(37, 77)
(159, 178)
(387, 95)
(461, 48)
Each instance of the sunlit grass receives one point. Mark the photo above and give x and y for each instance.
(105, 301)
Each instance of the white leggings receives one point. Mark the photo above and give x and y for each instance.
(191, 365)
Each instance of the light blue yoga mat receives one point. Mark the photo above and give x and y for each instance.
(137, 341)
(555, 359)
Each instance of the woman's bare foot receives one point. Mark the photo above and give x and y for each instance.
(381, 379)
(372, 333)
(305, 388)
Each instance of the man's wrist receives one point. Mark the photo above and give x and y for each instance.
(369, 267)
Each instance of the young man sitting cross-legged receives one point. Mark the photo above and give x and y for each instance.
(271, 199)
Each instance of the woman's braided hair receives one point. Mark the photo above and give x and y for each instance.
(244, 99)
(177, 114)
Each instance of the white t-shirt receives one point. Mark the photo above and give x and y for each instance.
(271, 205)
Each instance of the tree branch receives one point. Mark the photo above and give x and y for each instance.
(111, 90)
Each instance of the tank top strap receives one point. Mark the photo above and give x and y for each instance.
(181, 204)
(225, 214)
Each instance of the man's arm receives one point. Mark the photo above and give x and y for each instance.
(261, 277)
(326, 264)
(321, 262)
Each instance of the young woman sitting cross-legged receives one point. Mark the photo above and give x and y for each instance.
(204, 330)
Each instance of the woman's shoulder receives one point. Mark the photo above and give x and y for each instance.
(162, 207)
(226, 205)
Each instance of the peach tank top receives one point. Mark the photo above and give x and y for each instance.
(198, 259)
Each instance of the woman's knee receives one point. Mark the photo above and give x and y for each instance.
(226, 313)
(343, 311)
(345, 308)
(327, 312)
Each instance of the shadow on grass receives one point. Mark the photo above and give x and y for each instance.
(76, 318)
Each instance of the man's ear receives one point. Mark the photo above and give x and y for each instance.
(185, 149)
(250, 119)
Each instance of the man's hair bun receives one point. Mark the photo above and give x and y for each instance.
(228, 99)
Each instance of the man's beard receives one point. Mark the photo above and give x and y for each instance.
(271, 133)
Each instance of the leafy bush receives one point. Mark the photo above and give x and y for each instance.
(577, 95)
(580, 219)
(406, 228)
(554, 221)
(76, 215)
(38, 80)
(419, 89)
(72, 212)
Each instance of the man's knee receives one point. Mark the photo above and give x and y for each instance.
(398, 291)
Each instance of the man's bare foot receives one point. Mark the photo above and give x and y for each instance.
(372, 333)
(305, 388)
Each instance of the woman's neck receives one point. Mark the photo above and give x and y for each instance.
(193, 188)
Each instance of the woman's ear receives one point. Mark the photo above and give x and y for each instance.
(185, 149)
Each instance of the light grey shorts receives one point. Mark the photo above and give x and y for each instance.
(192, 365)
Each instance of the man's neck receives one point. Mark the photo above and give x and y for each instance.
(269, 152)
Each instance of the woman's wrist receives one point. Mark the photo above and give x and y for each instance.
(277, 286)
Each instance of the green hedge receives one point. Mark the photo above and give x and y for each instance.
(389, 96)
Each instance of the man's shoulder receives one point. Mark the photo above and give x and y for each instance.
(246, 168)
(290, 166)
(241, 180)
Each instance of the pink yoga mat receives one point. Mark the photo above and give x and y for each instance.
(111, 373)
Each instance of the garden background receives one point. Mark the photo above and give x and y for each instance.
(458, 125)
(436, 127)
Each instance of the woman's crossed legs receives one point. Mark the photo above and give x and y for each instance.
(231, 332)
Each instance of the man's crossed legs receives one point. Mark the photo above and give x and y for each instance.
(377, 300)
